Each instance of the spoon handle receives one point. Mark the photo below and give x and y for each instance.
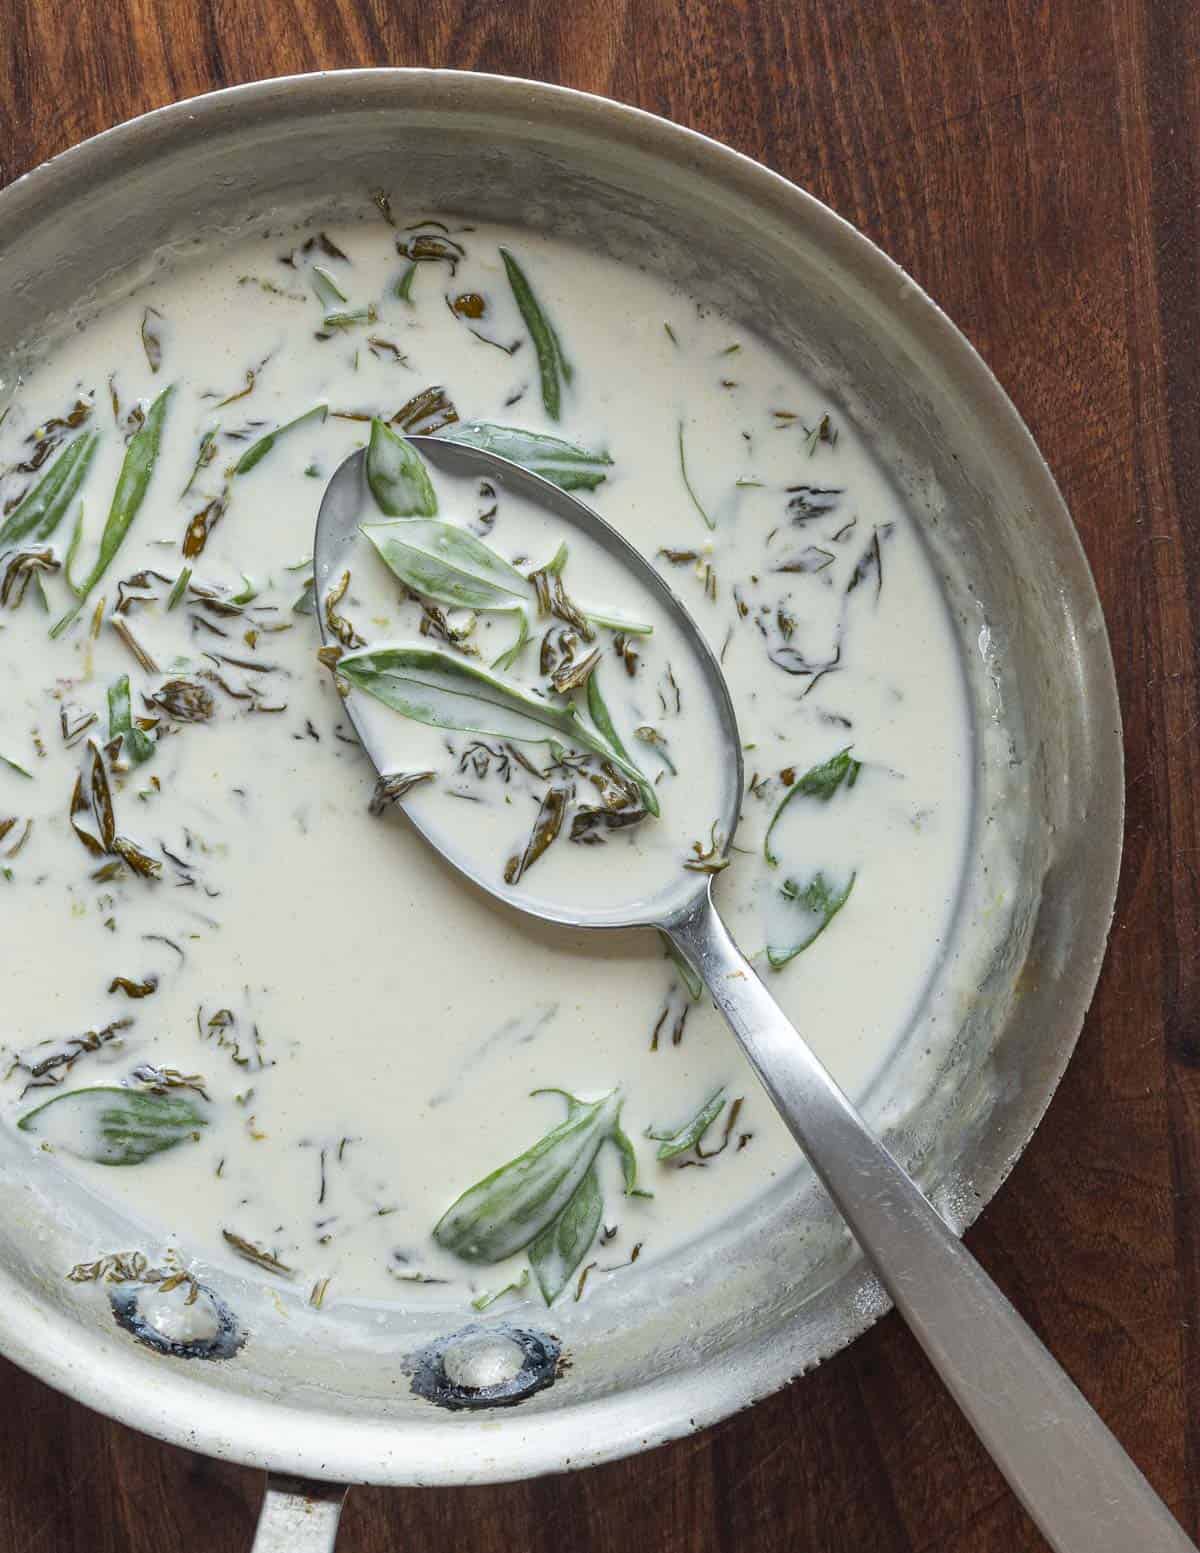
(1060, 1459)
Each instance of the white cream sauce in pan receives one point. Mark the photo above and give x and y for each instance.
(366, 1029)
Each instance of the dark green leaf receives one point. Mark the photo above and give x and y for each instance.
(816, 904)
(257, 451)
(41, 509)
(140, 458)
(554, 368)
(136, 742)
(819, 782)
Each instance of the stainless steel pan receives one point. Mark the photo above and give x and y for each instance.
(347, 1395)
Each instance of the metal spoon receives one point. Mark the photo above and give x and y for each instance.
(1064, 1465)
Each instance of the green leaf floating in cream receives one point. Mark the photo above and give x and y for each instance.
(819, 782)
(686, 1138)
(435, 688)
(510, 1208)
(40, 510)
(815, 905)
(448, 564)
(565, 1241)
(114, 1126)
(565, 464)
(257, 451)
(397, 475)
(553, 366)
(141, 456)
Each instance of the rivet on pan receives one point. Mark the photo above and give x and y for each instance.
(479, 1367)
(204, 1328)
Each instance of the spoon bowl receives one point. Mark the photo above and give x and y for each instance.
(347, 500)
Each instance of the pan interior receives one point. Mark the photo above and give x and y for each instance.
(740, 1312)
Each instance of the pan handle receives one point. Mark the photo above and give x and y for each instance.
(298, 1516)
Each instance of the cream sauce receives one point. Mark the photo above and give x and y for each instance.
(367, 1028)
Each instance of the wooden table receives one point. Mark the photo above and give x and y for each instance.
(1036, 166)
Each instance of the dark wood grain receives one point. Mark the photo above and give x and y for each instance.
(1035, 165)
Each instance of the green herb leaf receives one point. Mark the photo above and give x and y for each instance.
(41, 509)
(140, 458)
(820, 782)
(553, 366)
(564, 1243)
(136, 742)
(510, 1208)
(257, 451)
(565, 464)
(817, 903)
(598, 709)
(687, 1137)
(397, 475)
(447, 563)
(329, 293)
(114, 1126)
(442, 691)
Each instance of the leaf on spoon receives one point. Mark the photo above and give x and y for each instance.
(510, 1208)
(565, 464)
(113, 1126)
(447, 563)
(397, 475)
(598, 709)
(441, 691)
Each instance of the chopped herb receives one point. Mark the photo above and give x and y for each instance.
(396, 785)
(545, 832)
(553, 367)
(267, 1260)
(41, 509)
(695, 500)
(824, 431)
(257, 451)
(151, 339)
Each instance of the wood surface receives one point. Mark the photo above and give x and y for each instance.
(1034, 164)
